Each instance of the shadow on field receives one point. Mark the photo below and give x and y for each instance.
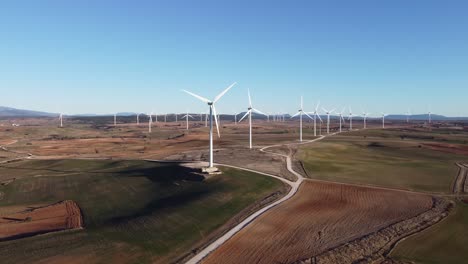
(165, 174)
(158, 205)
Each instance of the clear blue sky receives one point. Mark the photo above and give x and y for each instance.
(83, 56)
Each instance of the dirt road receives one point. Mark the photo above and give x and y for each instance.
(294, 187)
(460, 185)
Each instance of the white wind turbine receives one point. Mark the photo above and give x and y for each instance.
(61, 119)
(328, 118)
(408, 114)
(365, 115)
(187, 117)
(150, 122)
(383, 119)
(350, 119)
(316, 114)
(235, 117)
(300, 113)
(250, 109)
(115, 119)
(138, 118)
(340, 114)
(211, 105)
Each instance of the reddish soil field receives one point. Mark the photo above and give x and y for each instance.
(55, 217)
(319, 217)
(449, 148)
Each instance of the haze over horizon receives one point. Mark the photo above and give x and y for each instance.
(120, 56)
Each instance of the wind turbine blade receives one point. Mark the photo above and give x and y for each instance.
(258, 111)
(197, 96)
(223, 92)
(184, 116)
(302, 103)
(246, 114)
(319, 117)
(308, 115)
(216, 120)
(325, 110)
(317, 106)
(296, 114)
(331, 111)
(250, 99)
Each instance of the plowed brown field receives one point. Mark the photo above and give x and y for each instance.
(26, 222)
(319, 217)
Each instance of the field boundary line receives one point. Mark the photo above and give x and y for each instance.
(294, 188)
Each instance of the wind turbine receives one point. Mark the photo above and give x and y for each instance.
(186, 118)
(383, 120)
(408, 116)
(365, 114)
(138, 118)
(350, 119)
(341, 117)
(211, 105)
(150, 122)
(316, 114)
(250, 109)
(328, 118)
(235, 118)
(61, 119)
(300, 113)
(115, 119)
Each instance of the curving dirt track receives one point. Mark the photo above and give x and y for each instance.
(321, 216)
(460, 185)
(30, 221)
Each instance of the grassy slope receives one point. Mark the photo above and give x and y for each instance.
(446, 242)
(398, 165)
(152, 211)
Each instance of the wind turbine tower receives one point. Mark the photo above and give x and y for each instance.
(383, 120)
(250, 109)
(328, 118)
(186, 119)
(211, 105)
(300, 113)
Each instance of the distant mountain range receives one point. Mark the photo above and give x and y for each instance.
(13, 112)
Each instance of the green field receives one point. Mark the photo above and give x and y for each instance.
(134, 211)
(397, 164)
(440, 135)
(444, 243)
